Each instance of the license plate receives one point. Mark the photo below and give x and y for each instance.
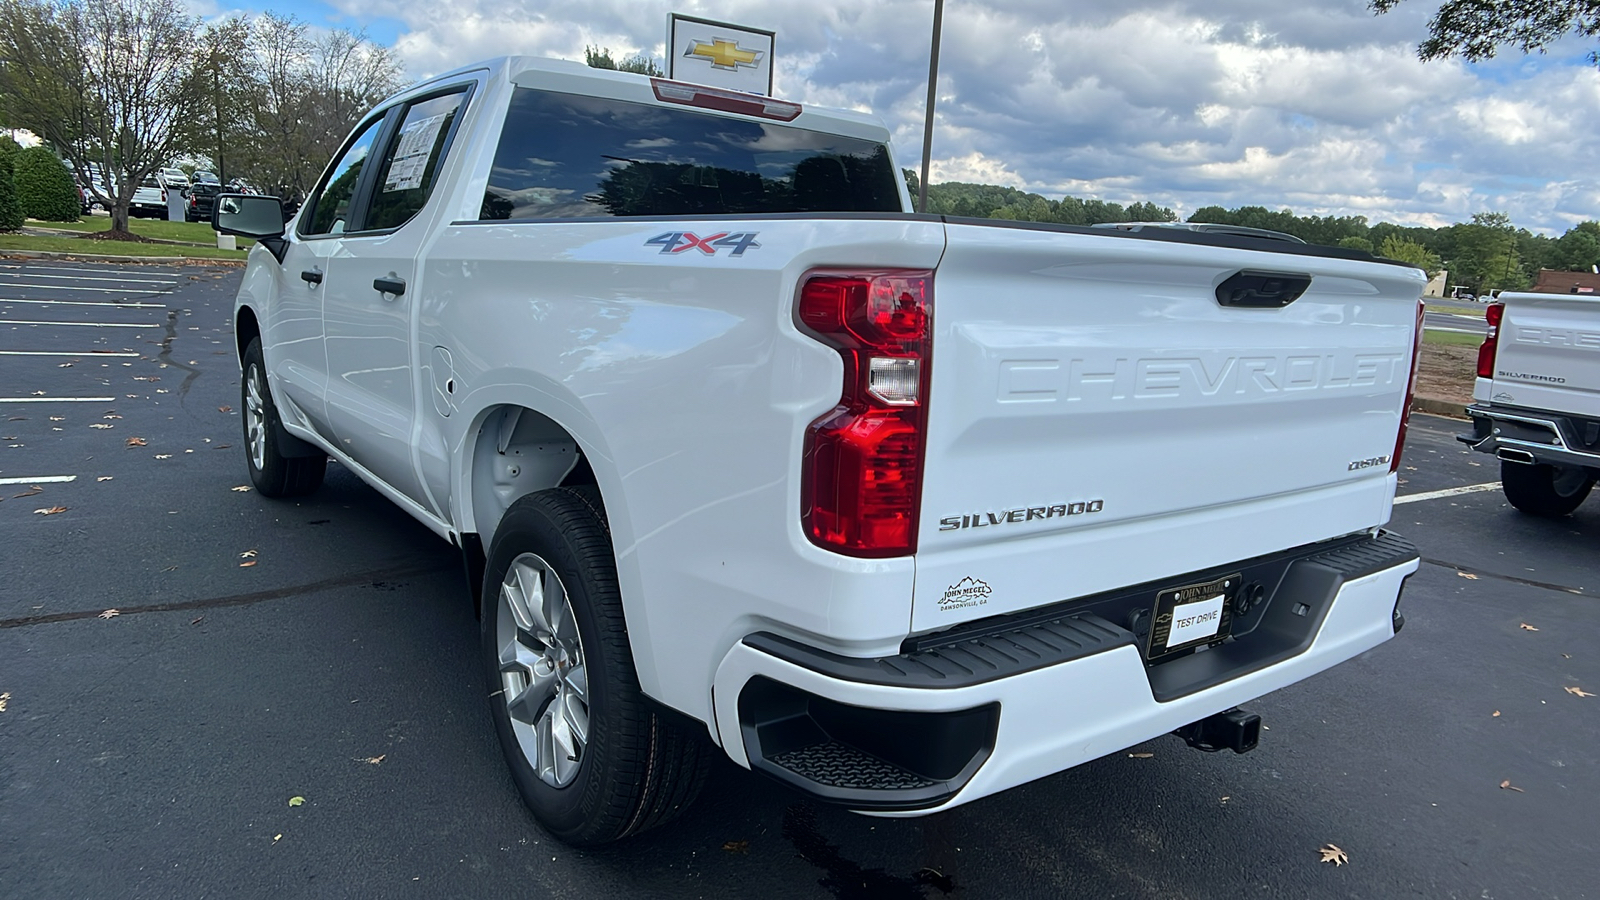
(1192, 615)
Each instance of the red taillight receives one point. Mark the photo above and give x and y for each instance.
(1411, 389)
(861, 484)
(1491, 342)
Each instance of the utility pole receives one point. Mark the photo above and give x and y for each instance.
(927, 126)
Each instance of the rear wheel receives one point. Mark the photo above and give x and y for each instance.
(1545, 490)
(273, 474)
(591, 758)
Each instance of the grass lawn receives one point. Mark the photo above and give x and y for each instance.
(1452, 337)
(199, 233)
(1476, 311)
(113, 248)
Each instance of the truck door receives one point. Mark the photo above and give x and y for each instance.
(297, 358)
(368, 306)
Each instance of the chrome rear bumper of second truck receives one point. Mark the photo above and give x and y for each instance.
(1533, 436)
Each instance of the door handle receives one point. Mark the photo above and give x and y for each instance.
(395, 286)
(311, 276)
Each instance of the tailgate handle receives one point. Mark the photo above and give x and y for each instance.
(1257, 289)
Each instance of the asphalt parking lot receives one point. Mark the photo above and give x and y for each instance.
(325, 649)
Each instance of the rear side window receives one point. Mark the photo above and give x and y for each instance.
(565, 156)
(412, 163)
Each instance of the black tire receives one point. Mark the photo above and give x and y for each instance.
(1544, 490)
(635, 769)
(273, 474)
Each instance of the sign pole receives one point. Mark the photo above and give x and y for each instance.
(927, 127)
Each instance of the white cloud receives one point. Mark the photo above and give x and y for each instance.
(1318, 105)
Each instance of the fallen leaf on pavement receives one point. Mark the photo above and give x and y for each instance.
(1333, 854)
(240, 488)
(248, 554)
(110, 614)
(50, 511)
(196, 620)
(736, 846)
(1496, 714)
(1526, 627)
(1508, 786)
(276, 838)
(224, 409)
(1566, 656)
(163, 456)
(64, 365)
(296, 801)
(373, 760)
(53, 419)
(35, 489)
(105, 478)
(4, 699)
(1578, 692)
(1225, 798)
(1141, 755)
(1468, 575)
(101, 425)
(137, 442)
(110, 416)
(246, 565)
(38, 393)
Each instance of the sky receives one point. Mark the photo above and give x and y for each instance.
(1312, 105)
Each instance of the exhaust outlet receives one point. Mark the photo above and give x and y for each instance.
(1234, 730)
(1517, 456)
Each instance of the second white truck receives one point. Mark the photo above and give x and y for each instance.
(1537, 399)
(900, 510)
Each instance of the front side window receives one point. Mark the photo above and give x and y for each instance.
(564, 156)
(330, 211)
(412, 164)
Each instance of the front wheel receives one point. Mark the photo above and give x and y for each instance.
(591, 758)
(273, 474)
(1543, 489)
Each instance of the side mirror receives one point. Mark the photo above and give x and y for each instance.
(248, 215)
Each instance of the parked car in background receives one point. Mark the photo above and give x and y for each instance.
(173, 178)
(150, 199)
(1536, 406)
(201, 196)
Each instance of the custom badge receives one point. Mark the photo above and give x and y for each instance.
(683, 241)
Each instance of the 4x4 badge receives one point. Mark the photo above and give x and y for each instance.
(681, 241)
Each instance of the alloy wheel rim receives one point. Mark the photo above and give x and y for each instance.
(255, 416)
(543, 680)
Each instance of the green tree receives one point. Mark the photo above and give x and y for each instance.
(1485, 255)
(1357, 243)
(1396, 247)
(110, 82)
(44, 189)
(639, 64)
(1579, 249)
(11, 217)
(1476, 29)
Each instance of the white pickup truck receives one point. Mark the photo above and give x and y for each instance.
(899, 509)
(1537, 399)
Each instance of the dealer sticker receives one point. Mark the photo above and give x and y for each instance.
(1193, 621)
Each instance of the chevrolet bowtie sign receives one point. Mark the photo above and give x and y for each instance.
(719, 54)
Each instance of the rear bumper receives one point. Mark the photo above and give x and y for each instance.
(942, 726)
(1533, 436)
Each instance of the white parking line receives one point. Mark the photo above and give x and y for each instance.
(86, 303)
(85, 324)
(57, 399)
(42, 479)
(84, 353)
(80, 270)
(86, 278)
(73, 287)
(1448, 492)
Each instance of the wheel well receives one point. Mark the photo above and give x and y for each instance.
(245, 329)
(516, 452)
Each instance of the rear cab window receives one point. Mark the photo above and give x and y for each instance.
(564, 156)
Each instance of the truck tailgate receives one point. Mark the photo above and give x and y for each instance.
(1549, 353)
(1098, 418)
